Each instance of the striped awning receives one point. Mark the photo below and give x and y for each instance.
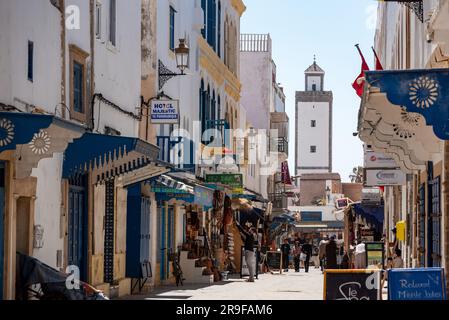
(166, 184)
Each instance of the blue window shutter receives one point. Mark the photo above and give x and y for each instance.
(211, 23)
(172, 28)
(30, 60)
(219, 30)
(78, 94)
(203, 6)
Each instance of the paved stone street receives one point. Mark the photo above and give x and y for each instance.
(288, 286)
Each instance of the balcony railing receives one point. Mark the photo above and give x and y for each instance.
(282, 144)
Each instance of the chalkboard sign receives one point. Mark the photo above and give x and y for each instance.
(274, 260)
(244, 271)
(352, 285)
(416, 284)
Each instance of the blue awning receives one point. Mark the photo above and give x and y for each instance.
(372, 214)
(421, 91)
(113, 155)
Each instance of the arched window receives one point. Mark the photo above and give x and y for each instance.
(213, 107)
(219, 30)
(203, 6)
(201, 93)
(212, 23)
(226, 43)
(218, 108)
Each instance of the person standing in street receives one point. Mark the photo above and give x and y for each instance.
(285, 249)
(331, 254)
(250, 256)
(296, 255)
(322, 253)
(398, 262)
(307, 250)
(360, 255)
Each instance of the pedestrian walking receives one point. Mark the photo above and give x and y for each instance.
(331, 254)
(307, 250)
(322, 252)
(250, 256)
(296, 256)
(285, 249)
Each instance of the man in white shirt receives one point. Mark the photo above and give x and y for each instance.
(398, 262)
(360, 255)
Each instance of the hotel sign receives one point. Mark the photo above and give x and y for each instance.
(164, 112)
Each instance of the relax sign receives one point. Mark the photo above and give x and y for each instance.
(416, 284)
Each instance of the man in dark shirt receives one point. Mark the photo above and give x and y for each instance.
(249, 235)
(307, 250)
(285, 249)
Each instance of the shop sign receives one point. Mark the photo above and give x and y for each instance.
(375, 254)
(367, 235)
(416, 284)
(204, 197)
(352, 285)
(235, 181)
(168, 190)
(187, 197)
(385, 178)
(164, 111)
(379, 160)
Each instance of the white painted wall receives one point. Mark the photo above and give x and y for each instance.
(118, 69)
(314, 80)
(257, 89)
(48, 208)
(22, 21)
(317, 136)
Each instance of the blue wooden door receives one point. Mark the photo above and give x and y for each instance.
(436, 223)
(145, 227)
(162, 254)
(77, 229)
(2, 219)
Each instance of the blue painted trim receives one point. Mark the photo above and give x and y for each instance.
(423, 91)
(20, 128)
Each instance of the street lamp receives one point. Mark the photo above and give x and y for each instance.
(182, 55)
(182, 62)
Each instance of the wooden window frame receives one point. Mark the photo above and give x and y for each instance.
(79, 56)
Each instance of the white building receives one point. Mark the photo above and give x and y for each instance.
(264, 101)
(72, 74)
(313, 124)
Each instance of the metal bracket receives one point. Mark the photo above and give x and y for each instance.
(165, 74)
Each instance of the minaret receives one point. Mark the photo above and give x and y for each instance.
(313, 124)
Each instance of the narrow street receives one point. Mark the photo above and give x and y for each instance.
(285, 286)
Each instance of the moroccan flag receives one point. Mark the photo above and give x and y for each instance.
(360, 81)
(378, 63)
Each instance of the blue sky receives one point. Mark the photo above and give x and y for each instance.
(329, 29)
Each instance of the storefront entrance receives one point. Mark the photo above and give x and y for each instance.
(422, 226)
(166, 239)
(77, 226)
(109, 233)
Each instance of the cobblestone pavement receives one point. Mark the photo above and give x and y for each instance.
(285, 286)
